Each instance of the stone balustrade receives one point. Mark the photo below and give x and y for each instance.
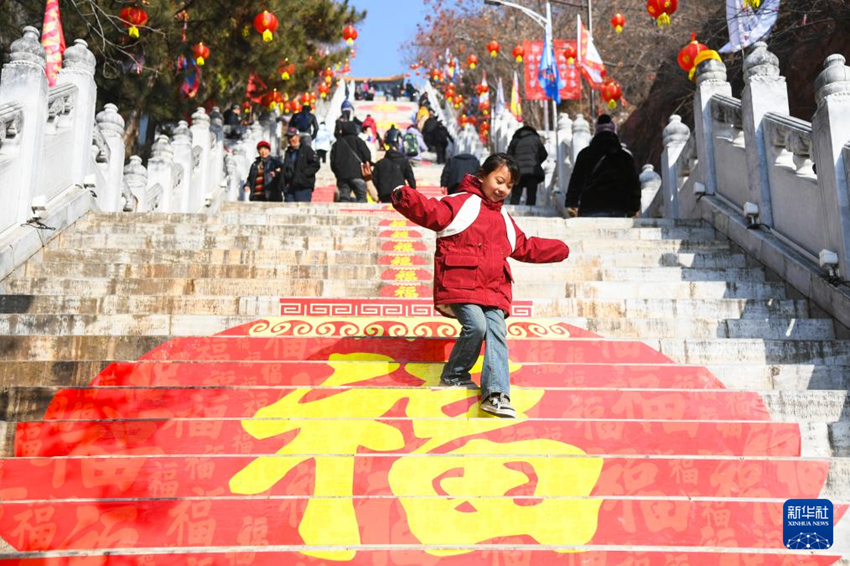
(775, 184)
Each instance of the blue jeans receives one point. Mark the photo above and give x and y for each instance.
(298, 195)
(480, 324)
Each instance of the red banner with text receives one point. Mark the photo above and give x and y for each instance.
(570, 79)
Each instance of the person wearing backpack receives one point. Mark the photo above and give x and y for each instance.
(605, 181)
(412, 142)
(392, 138)
(394, 170)
(350, 158)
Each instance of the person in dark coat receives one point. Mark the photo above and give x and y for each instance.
(394, 170)
(429, 129)
(441, 139)
(300, 165)
(348, 155)
(306, 124)
(263, 184)
(393, 138)
(456, 169)
(605, 181)
(530, 153)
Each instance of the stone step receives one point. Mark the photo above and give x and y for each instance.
(539, 272)
(355, 243)
(246, 305)
(22, 404)
(590, 350)
(737, 376)
(191, 325)
(149, 471)
(261, 258)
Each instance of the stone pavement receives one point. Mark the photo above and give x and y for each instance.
(258, 387)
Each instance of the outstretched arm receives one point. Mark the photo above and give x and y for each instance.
(538, 250)
(434, 214)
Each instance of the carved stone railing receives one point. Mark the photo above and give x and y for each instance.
(11, 124)
(775, 184)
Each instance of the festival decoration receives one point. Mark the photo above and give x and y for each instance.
(349, 34)
(688, 54)
(618, 22)
(518, 53)
(493, 48)
(701, 58)
(272, 98)
(612, 93)
(472, 60)
(133, 18)
(570, 54)
(661, 10)
(329, 75)
(324, 89)
(286, 70)
(266, 24)
(201, 52)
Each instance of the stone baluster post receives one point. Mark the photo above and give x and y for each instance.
(23, 81)
(217, 157)
(711, 80)
(111, 125)
(201, 139)
(765, 91)
(135, 186)
(581, 136)
(233, 178)
(676, 136)
(181, 146)
(161, 171)
(831, 131)
(650, 184)
(78, 66)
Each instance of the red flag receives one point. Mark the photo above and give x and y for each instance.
(592, 67)
(53, 40)
(256, 88)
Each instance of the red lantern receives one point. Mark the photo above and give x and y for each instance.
(611, 93)
(661, 10)
(464, 120)
(324, 89)
(688, 54)
(570, 54)
(201, 52)
(273, 98)
(518, 53)
(329, 75)
(473, 61)
(133, 18)
(266, 24)
(286, 70)
(618, 21)
(485, 108)
(349, 34)
(493, 48)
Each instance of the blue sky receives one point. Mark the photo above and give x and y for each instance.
(388, 25)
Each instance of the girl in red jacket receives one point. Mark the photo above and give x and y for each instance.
(472, 278)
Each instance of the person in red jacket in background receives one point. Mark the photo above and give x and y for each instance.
(472, 277)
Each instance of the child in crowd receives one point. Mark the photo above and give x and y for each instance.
(472, 277)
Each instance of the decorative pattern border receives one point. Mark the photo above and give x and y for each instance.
(304, 306)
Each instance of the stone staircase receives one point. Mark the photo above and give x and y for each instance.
(259, 388)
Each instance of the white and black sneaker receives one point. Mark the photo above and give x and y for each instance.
(498, 404)
(461, 383)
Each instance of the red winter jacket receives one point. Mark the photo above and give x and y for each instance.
(474, 239)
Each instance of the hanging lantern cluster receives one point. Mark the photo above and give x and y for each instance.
(493, 48)
(612, 93)
(458, 100)
(518, 53)
(201, 53)
(689, 53)
(273, 99)
(618, 22)
(324, 89)
(266, 24)
(661, 10)
(329, 75)
(133, 18)
(472, 61)
(349, 34)
(286, 70)
(570, 54)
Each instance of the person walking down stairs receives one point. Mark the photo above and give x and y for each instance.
(263, 184)
(300, 165)
(391, 172)
(472, 277)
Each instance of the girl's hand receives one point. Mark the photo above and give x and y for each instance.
(572, 212)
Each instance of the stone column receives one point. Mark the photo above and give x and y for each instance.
(161, 171)
(581, 136)
(711, 80)
(135, 186)
(78, 69)
(765, 91)
(201, 178)
(831, 131)
(650, 183)
(676, 136)
(23, 82)
(181, 146)
(111, 125)
(233, 178)
(217, 149)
